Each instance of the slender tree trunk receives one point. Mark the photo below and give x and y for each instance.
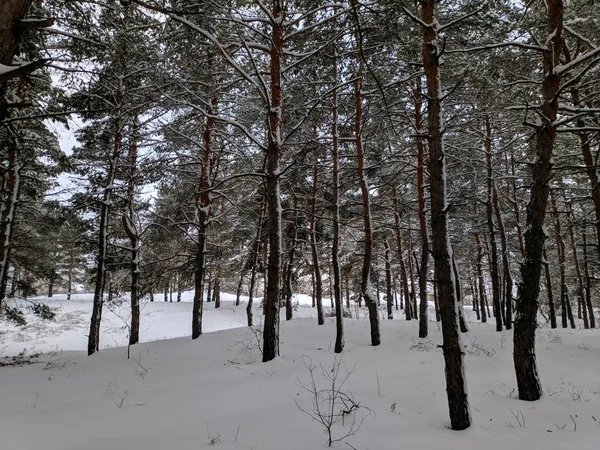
(551, 305)
(411, 274)
(128, 219)
(254, 260)
(588, 280)
(493, 256)
(366, 287)
(528, 381)
(459, 298)
(506, 273)
(474, 297)
(203, 213)
(314, 249)
(560, 251)
(388, 282)
(289, 310)
(400, 255)
(217, 287)
(423, 269)
(274, 149)
(480, 280)
(11, 12)
(335, 250)
(582, 306)
(456, 384)
(515, 203)
(94, 334)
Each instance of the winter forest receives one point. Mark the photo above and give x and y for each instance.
(407, 189)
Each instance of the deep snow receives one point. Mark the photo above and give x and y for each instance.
(215, 393)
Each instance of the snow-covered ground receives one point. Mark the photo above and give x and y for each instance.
(158, 320)
(214, 392)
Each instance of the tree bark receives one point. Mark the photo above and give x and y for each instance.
(580, 290)
(254, 260)
(480, 280)
(289, 310)
(423, 269)
(588, 280)
(131, 230)
(203, 213)
(94, 335)
(366, 287)
(335, 250)
(318, 282)
(456, 385)
(549, 293)
(388, 282)
(528, 381)
(400, 255)
(274, 149)
(493, 256)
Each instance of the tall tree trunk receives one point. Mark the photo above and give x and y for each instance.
(480, 280)
(388, 282)
(493, 256)
(459, 298)
(314, 249)
(456, 384)
(274, 149)
(94, 335)
(400, 255)
(289, 310)
(335, 250)
(423, 269)
(580, 290)
(560, 251)
(411, 274)
(70, 271)
(131, 230)
(551, 305)
(506, 273)
(474, 297)
(513, 199)
(254, 259)
(11, 12)
(528, 381)
(366, 287)
(203, 213)
(588, 280)
(217, 287)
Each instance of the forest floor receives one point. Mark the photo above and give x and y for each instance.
(178, 394)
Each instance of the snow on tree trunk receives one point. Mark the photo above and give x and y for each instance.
(94, 335)
(528, 382)
(128, 220)
(456, 384)
(203, 209)
(274, 149)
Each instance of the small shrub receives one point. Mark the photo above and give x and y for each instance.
(14, 315)
(331, 313)
(43, 311)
